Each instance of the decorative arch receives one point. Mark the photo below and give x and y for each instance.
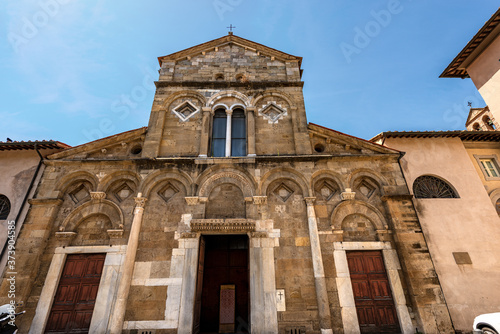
(185, 93)
(328, 174)
(91, 208)
(160, 176)
(229, 93)
(213, 177)
(109, 180)
(366, 172)
(433, 186)
(495, 199)
(348, 208)
(70, 179)
(287, 173)
(282, 95)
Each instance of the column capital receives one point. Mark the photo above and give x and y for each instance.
(310, 200)
(251, 109)
(140, 202)
(229, 112)
(206, 109)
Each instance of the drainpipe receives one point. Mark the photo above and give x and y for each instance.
(23, 204)
(128, 267)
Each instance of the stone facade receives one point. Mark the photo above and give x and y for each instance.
(306, 196)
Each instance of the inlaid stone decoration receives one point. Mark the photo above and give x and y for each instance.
(79, 194)
(326, 190)
(366, 188)
(167, 192)
(272, 112)
(123, 192)
(283, 192)
(185, 111)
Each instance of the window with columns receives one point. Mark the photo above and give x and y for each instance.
(229, 133)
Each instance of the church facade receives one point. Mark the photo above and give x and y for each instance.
(228, 213)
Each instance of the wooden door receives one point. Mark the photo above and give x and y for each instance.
(226, 262)
(75, 297)
(199, 286)
(372, 293)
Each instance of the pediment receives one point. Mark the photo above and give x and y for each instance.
(475, 113)
(230, 40)
(328, 141)
(123, 145)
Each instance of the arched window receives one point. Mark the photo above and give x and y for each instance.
(476, 127)
(229, 133)
(489, 123)
(219, 133)
(4, 207)
(427, 186)
(238, 134)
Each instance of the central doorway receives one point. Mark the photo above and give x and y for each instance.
(223, 285)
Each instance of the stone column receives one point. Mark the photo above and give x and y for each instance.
(325, 321)
(205, 132)
(128, 267)
(228, 132)
(251, 132)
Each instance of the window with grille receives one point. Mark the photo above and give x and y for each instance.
(428, 186)
(4, 207)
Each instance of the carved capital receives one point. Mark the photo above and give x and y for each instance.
(97, 195)
(140, 202)
(310, 200)
(206, 109)
(115, 234)
(229, 112)
(203, 199)
(348, 195)
(193, 200)
(260, 200)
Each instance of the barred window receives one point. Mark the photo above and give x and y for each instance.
(427, 186)
(4, 207)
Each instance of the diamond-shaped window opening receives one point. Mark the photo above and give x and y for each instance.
(283, 192)
(273, 112)
(366, 188)
(327, 191)
(167, 192)
(79, 194)
(185, 111)
(123, 192)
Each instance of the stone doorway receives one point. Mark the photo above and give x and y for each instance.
(223, 262)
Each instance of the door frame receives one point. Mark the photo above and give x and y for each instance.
(106, 294)
(344, 285)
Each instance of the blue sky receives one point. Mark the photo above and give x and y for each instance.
(77, 70)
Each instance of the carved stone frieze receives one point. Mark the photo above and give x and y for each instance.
(194, 200)
(260, 200)
(65, 235)
(222, 225)
(115, 233)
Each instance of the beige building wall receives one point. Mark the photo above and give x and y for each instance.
(468, 224)
(485, 73)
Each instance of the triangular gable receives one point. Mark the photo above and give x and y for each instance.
(230, 39)
(83, 151)
(474, 113)
(363, 145)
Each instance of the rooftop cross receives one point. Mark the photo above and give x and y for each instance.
(231, 27)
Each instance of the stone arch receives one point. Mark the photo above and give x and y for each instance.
(284, 173)
(325, 173)
(347, 208)
(228, 93)
(215, 176)
(185, 93)
(219, 105)
(94, 207)
(109, 180)
(495, 199)
(160, 176)
(366, 172)
(282, 95)
(70, 179)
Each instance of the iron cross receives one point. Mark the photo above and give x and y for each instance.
(231, 27)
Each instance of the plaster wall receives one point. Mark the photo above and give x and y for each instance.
(485, 73)
(464, 224)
